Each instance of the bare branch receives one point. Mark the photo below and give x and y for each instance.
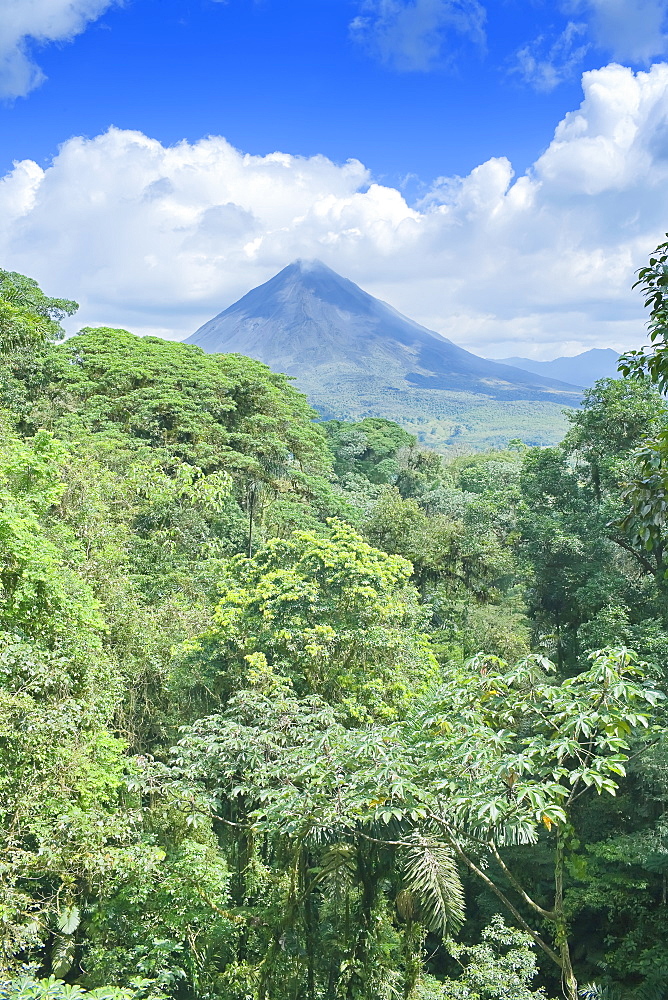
(547, 914)
(497, 892)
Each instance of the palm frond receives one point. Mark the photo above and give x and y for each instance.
(337, 864)
(654, 988)
(432, 877)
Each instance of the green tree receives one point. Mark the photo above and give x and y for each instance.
(26, 988)
(652, 361)
(369, 448)
(28, 317)
(646, 486)
(326, 610)
(61, 764)
(616, 416)
(214, 411)
(338, 910)
(569, 558)
(461, 556)
(171, 923)
(501, 967)
(497, 757)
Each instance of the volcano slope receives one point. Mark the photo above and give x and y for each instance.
(355, 356)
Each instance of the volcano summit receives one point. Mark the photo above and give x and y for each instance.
(356, 356)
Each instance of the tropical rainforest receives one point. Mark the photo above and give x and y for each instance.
(295, 709)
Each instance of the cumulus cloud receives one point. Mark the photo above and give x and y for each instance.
(416, 35)
(26, 24)
(159, 239)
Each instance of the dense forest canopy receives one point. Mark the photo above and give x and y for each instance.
(294, 709)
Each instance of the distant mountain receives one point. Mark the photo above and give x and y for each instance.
(355, 356)
(310, 322)
(582, 369)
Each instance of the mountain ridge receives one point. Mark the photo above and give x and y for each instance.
(587, 367)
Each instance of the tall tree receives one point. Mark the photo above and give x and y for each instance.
(327, 610)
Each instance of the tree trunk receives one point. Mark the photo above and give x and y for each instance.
(310, 925)
(251, 513)
(357, 983)
(569, 982)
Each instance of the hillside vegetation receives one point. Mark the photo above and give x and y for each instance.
(451, 423)
(295, 710)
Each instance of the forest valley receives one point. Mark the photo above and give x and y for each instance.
(294, 710)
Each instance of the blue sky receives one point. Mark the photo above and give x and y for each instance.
(295, 75)
(450, 105)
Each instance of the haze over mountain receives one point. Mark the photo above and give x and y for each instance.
(356, 356)
(581, 369)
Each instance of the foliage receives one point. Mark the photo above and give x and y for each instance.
(270, 724)
(169, 925)
(489, 760)
(368, 448)
(500, 968)
(28, 317)
(334, 615)
(205, 409)
(653, 282)
(56, 989)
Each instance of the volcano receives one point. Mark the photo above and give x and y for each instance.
(354, 355)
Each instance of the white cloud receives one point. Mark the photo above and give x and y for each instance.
(629, 30)
(25, 24)
(160, 239)
(416, 35)
(544, 63)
